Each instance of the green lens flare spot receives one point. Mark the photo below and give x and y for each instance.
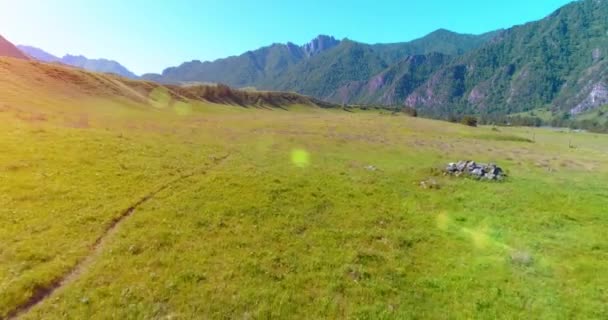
(160, 97)
(443, 222)
(182, 108)
(300, 158)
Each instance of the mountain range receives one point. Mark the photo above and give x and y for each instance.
(557, 63)
(96, 65)
(319, 68)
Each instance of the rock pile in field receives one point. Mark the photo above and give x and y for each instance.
(475, 170)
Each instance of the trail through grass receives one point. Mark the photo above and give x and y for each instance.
(43, 292)
(294, 224)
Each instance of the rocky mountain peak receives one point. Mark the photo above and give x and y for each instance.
(319, 44)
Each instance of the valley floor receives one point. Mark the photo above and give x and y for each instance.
(215, 211)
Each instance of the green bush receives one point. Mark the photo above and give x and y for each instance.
(469, 121)
(410, 111)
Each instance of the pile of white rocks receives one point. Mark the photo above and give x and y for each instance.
(475, 170)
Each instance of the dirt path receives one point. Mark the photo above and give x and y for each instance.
(42, 293)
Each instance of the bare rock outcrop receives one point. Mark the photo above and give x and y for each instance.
(480, 171)
(597, 97)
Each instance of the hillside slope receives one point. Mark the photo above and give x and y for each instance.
(393, 84)
(54, 84)
(559, 61)
(440, 41)
(7, 49)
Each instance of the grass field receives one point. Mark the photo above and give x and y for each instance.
(167, 209)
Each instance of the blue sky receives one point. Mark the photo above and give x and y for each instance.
(149, 35)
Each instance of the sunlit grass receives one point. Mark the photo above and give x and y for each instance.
(293, 224)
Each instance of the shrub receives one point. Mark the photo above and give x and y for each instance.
(410, 111)
(469, 121)
(452, 118)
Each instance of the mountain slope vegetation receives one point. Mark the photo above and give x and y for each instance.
(559, 61)
(332, 65)
(393, 84)
(240, 71)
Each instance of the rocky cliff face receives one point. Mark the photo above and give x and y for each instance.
(598, 96)
(319, 44)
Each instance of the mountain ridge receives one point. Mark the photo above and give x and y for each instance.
(317, 68)
(79, 61)
(558, 62)
(247, 68)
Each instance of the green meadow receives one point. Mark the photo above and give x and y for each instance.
(194, 210)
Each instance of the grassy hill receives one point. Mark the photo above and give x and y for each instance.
(129, 199)
(63, 82)
(7, 49)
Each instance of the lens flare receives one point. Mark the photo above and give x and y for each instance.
(160, 97)
(300, 158)
(480, 238)
(443, 222)
(182, 108)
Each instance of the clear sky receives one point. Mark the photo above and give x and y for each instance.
(150, 35)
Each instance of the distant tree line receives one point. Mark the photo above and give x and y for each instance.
(562, 120)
